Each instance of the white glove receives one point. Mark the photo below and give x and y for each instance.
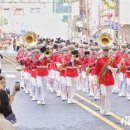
(113, 70)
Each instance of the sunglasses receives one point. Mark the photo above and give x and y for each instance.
(65, 50)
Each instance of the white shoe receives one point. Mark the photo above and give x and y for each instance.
(96, 98)
(107, 113)
(69, 102)
(33, 99)
(102, 112)
(39, 102)
(72, 101)
(128, 98)
(63, 98)
(43, 102)
(27, 91)
(91, 95)
(121, 95)
(51, 90)
(58, 94)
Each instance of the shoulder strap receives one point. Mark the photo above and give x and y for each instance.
(104, 68)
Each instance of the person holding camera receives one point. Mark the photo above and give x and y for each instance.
(3, 86)
(5, 109)
(10, 116)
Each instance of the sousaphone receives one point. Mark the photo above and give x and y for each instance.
(30, 37)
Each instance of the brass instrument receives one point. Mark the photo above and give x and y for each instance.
(30, 37)
(121, 64)
(88, 69)
(47, 53)
(76, 57)
(105, 38)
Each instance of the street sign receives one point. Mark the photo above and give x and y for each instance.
(100, 27)
(115, 26)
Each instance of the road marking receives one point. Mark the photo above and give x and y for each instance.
(108, 122)
(10, 75)
(97, 106)
(10, 61)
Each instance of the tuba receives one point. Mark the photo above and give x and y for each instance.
(105, 39)
(30, 37)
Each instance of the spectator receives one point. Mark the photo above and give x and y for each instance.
(3, 86)
(5, 109)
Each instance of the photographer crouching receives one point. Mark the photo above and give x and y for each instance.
(9, 114)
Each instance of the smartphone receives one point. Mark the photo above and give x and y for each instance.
(17, 86)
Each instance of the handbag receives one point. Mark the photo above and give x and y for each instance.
(11, 118)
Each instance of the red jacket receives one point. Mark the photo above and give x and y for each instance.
(71, 66)
(107, 79)
(119, 57)
(54, 59)
(127, 68)
(42, 67)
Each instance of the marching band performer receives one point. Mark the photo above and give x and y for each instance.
(127, 73)
(42, 77)
(91, 65)
(33, 81)
(72, 63)
(60, 65)
(119, 59)
(105, 80)
(113, 53)
(82, 56)
(25, 59)
(54, 72)
(85, 75)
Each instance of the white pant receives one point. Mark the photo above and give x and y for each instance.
(63, 87)
(71, 86)
(128, 86)
(42, 87)
(105, 98)
(33, 87)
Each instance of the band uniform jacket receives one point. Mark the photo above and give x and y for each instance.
(54, 59)
(71, 66)
(118, 59)
(108, 78)
(42, 67)
(127, 67)
(33, 65)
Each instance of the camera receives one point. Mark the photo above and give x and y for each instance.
(17, 86)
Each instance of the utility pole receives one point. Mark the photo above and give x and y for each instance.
(89, 18)
(116, 31)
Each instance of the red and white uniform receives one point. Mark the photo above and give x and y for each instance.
(42, 77)
(106, 83)
(120, 57)
(127, 75)
(71, 73)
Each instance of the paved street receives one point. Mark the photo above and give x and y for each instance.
(57, 114)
